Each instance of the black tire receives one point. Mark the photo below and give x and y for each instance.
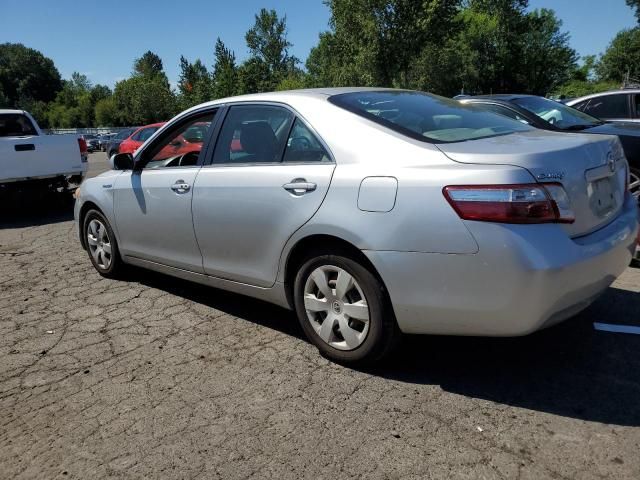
(383, 333)
(116, 266)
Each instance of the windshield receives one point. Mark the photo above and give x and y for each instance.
(124, 134)
(557, 114)
(427, 117)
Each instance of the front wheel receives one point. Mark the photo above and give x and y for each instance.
(342, 308)
(102, 245)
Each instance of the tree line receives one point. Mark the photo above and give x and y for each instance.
(441, 46)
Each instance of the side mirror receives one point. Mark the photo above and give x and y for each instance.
(121, 161)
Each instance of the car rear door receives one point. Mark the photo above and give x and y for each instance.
(268, 176)
(615, 107)
(152, 203)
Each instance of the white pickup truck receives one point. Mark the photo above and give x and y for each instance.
(28, 158)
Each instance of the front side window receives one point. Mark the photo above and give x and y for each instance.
(303, 146)
(427, 117)
(16, 125)
(182, 145)
(253, 134)
(608, 106)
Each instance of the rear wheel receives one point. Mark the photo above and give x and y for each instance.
(342, 308)
(102, 245)
(634, 183)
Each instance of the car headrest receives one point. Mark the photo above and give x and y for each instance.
(257, 138)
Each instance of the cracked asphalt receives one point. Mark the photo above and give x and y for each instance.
(154, 377)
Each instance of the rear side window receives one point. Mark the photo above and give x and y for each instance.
(608, 106)
(427, 117)
(16, 125)
(303, 146)
(253, 134)
(581, 105)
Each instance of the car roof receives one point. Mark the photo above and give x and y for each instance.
(506, 97)
(7, 110)
(287, 96)
(608, 92)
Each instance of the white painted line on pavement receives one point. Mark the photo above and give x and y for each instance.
(608, 327)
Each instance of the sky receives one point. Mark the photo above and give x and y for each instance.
(101, 39)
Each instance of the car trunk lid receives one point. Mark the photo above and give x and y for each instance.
(591, 168)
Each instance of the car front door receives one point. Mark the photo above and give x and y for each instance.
(268, 176)
(152, 203)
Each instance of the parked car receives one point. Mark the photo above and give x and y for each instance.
(28, 158)
(103, 141)
(92, 142)
(113, 144)
(371, 212)
(551, 115)
(615, 105)
(138, 137)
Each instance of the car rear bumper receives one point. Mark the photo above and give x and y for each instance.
(523, 278)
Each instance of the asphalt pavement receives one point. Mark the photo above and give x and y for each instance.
(155, 377)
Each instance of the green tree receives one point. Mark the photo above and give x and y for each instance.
(145, 97)
(106, 113)
(635, 4)
(547, 59)
(622, 57)
(194, 85)
(225, 72)
(26, 76)
(269, 59)
(148, 64)
(142, 100)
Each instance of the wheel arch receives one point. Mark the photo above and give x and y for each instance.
(324, 243)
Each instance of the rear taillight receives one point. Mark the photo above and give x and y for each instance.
(82, 143)
(523, 203)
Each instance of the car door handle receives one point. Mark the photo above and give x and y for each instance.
(299, 186)
(180, 187)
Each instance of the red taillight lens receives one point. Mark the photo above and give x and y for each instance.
(82, 143)
(526, 203)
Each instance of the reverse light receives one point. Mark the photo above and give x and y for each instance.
(521, 203)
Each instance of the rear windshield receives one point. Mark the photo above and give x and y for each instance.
(427, 117)
(16, 125)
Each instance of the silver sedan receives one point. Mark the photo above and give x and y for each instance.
(370, 212)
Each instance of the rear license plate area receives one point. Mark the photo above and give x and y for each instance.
(603, 200)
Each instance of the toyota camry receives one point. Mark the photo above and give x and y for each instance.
(370, 213)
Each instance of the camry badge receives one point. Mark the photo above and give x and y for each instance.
(551, 176)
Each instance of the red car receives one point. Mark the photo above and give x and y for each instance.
(138, 137)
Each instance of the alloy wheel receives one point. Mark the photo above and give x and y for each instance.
(634, 184)
(99, 244)
(336, 307)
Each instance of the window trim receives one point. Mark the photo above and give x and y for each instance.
(224, 109)
(161, 134)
